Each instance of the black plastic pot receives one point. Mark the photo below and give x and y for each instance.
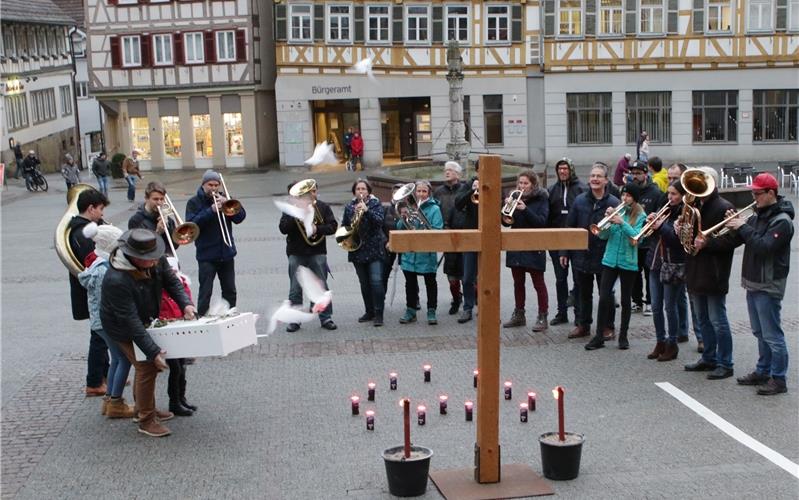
(407, 477)
(561, 459)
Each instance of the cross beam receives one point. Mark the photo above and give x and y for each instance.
(489, 240)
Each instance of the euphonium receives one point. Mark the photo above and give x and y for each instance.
(605, 223)
(510, 206)
(649, 228)
(62, 231)
(347, 237)
(299, 190)
(404, 198)
(697, 184)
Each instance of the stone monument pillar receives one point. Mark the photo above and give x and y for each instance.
(457, 147)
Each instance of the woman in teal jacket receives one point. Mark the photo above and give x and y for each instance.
(421, 263)
(620, 262)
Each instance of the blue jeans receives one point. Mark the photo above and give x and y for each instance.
(664, 307)
(764, 316)
(131, 179)
(118, 369)
(102, 184)
(711, 320)
(370, 277)
(318, 265)
(562, 285)
(97, 361)
(226, 270)
(469, 280)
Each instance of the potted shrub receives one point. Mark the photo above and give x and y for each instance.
(116, 165)
(407, 466)
(561, 451)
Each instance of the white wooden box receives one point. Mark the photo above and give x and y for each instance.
(209, 336)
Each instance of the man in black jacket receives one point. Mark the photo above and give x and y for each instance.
(453, 261)
(131, 300)
(148, 217)
(468, 210)
(310, 252)
(561, 199)
(91, 204)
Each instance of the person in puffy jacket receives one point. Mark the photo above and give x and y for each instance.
(356, 150)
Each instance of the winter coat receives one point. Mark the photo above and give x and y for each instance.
(463, 204)
(665, 245)
(445, 194)
(661, 179)
(561, 199)
(101, 168)
(71, 172)
(348, 139)
(356, 146)
(767, 254)
(423, 262)
(81, 248)
(708, 272)
(453, 219)
(210, 247)
(588, 210)
(92, 280)
(622, 169)
(131, 167)
(131, 300)
(619, 252)
(534, 215)
(294, 231)
(146, 220)
(373, 240)
(650, 200)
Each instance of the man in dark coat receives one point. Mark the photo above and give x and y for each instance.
(101, 168)
(91, 204)
(453, 261)
(16, 148)
(468, 211)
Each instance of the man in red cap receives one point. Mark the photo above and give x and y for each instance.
(764, 274)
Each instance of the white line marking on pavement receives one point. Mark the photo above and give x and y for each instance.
(729, 429)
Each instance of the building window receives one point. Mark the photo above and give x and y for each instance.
(651, 17)
(33, 49)
(650, 111)
(570, 13)
(715, 116)
(202, 136)
(719, 13)
(16, 112)
(171, 128)
(760, 15)
(66, 100)
(234, 139)
(492, 112)
(610, 17)
(417, 21)
(379, 23)
(589, 118)
(82, 90)
(467, 118)
(61, 41)
(79, 45)
(793, 15)
(140, 136)
(131, 51)
(776, 113)
(458, 23)
(162, 50)
(225, 46)
(497, 23)
(193, 48)
(43, 104)
(338, 23)
(41, 37)
(300, 22)
(22, 42)
(9, 43)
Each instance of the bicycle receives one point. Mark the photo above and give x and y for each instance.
(35, 180)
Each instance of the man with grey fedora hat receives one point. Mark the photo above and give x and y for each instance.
(131, 300)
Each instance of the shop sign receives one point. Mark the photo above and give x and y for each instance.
(332, 90)
(14, 87)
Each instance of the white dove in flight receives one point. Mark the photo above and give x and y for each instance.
(305, 214)
(364, 67)
(287, 313)
(314, 289)
(322, 155)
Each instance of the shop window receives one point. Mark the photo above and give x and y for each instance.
(715, 116)
(171, 128)
(776, 113)
(650, 111)
(193, 48)
(760, 15)
(300, 22)
(225, 46)
(492, 112)
(234, 139)
(202, 136)
(589, 118)
(610, 17)
(570, 14)
(379, 22)
(651, 17)
(162, 50)
(498, 23)
(458, 23)
(719, 13)
(417, 22)
(139, 136)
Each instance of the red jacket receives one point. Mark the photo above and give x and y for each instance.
(356, 146)
(169, 308)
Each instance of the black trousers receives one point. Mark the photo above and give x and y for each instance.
(606, 298)
(412, 289)
(585, 287)
(227, 280)
(177, 380)
(641, 294)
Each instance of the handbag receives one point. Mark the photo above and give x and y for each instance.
(671, 273)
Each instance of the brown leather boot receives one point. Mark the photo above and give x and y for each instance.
(117, 408)
(517, 319)
(659, 348)
(154, 428)
(578, 332)
(669, 353)
(104, 405)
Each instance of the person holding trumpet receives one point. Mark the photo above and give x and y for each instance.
(215, 213)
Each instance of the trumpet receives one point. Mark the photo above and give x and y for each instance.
(649, 228)
(720, 229)
(404, 198)
(510, 206)
(184, 232)
(605, 223)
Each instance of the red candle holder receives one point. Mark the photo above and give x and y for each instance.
(392, 381)
(508, 390)
(370, 420)
(427, 369)
(356, 405)
(442, 404)
(523, 413)
(531, 400)
(468, 407)
(475, 378)
(370, 393)
(421, 414)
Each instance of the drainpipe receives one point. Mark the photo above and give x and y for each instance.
(76, 132)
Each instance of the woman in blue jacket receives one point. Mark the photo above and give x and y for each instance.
(619, 262)
(421, 263)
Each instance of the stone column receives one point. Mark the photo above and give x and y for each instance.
(217, 130)
(371, 131)
(186, 134)
(248, 126)
(457, 147)
(156, 134)
(125, 145)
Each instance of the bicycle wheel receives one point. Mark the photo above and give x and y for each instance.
(43, 183)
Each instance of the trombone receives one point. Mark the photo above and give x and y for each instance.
(229, 208)
(510, 206)
(605, 223)
(184, 233)
(720, 229)
(649, 228)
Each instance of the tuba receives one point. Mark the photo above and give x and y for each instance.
(62, 231)
(404, 198)
(697, 184)
(299, 190)
(347, 237)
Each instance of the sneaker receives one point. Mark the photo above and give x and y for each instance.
(154, 428)
(720, 373)
(753, 378)
(772, 387)
(409, 316)
(292, 327)
(647, 310)
(160, 415)
(92, 392)
(465, 316)
(431, 317)
(635, 308)
(329, 325)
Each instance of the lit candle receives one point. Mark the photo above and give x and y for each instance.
(421, 414)
(557, 392)
(442, 404)
(356, 405)
(475, 378)
(531, 400)
(392, 381)
(508, 390)
(468, 407)
(370, 394)
(370, 420)
(427, 372)
(523, 412)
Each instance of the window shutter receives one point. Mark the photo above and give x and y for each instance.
(396, 17)
(549, 18)
(782, 15)
(210, 46)
(116, 52)
(281, 25)
(699, 16)
(112, 2)
(516, 23)
(145, 45)
(319, 22)
(144, 1)
(241, 45)
(673, 19)
(590, 17)
(177, 50)
(630, 11)
(438, 24)
(359, 21)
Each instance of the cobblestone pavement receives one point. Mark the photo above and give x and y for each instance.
(274, 418)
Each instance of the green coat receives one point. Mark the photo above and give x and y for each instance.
(619, 253)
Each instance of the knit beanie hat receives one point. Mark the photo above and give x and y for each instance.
(451, 165)
(633, 190)
(210, 175)
(106, 238)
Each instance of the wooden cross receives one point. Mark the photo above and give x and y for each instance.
(488, 240)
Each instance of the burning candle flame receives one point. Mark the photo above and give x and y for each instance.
(508, 383)
(443, 397)
(468, 404)
(370, 413)
(355, 398)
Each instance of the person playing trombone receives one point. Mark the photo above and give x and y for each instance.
(215, 246)
(148, 216)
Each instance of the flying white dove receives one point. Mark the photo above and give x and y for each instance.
(314, 289)
(286, 313)
(305, 214)
(364, 67)
(322, 155)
